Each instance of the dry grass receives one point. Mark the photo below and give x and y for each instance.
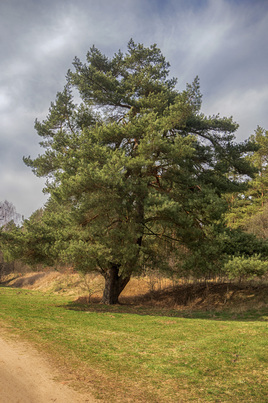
(150, 291)
(158, 345)
(141, 353)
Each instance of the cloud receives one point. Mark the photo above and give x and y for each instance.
(241, 104)
(223, 41)
(21, 182)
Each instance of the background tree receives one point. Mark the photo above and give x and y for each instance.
(8, 213)
(249, 208)
(134, 170)
(9, 218)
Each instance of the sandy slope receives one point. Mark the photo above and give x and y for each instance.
(26, 377)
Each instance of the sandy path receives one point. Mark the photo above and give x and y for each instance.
(26, 377)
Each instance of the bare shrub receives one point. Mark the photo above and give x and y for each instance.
(91, 283)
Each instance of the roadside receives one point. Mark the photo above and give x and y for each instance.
(142, 353)
(27, 377)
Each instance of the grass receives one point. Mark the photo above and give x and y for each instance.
(130, 354)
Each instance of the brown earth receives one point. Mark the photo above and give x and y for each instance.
(27, 377)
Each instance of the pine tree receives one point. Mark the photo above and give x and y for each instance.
(135, 171)
(259, 186)
(249, 208)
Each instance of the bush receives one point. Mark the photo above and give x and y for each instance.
(239, 243)
(246, 268)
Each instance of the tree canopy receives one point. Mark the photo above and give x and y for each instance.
(135, 172)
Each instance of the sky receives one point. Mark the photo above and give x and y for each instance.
(224, 42)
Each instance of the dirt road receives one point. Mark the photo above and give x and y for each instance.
(26, 377)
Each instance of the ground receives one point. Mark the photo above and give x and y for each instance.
(151, 291)
(27, 377)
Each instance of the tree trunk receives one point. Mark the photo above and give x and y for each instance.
(114, 285)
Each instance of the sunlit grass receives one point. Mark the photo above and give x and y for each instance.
(147, 354)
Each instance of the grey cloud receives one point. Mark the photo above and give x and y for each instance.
(223, 41)
(23, 189)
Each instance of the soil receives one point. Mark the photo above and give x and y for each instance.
(27, 377)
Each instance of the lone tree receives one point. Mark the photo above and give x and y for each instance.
(135, 171)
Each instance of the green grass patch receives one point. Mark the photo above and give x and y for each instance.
(143, 354)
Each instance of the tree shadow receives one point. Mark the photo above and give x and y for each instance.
(6, 282)
(24, 281)
(223, 302)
